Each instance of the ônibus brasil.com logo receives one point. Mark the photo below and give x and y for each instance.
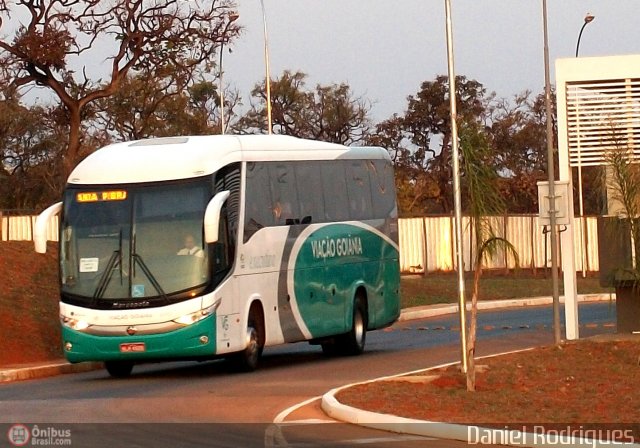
(21, 435)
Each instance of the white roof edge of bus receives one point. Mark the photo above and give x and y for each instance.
(170, 158)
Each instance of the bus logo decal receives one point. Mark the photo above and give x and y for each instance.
(336, 247)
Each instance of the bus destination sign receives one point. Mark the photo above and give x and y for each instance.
(99, 196)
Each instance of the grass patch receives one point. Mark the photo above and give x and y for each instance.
(430, 289)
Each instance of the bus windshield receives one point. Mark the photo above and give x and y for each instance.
(130, 246)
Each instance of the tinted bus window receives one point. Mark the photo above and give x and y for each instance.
(382, 188)
(310, 192)
(284, 195)
(258, 212)
(336, 206)
(359, 190)
(229, 179)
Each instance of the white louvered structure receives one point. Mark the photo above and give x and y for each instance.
(598, 101)
(602, 116)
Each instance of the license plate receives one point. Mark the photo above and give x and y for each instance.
(132, 347)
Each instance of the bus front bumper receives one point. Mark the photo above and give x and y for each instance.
(197, 340)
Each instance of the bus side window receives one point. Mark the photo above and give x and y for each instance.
(284, 193)
(229, 179)
(335, 191)
(359, 190)
(222, 251)
(310, 192)
(258, 206)
(383, 188)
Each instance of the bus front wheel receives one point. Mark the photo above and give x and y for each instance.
(247, 360)
(119, 369)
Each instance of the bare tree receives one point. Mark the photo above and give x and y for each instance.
(144, 36)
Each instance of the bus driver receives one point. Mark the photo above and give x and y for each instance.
(190, 247)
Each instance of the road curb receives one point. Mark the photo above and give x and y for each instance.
(388, 422)
(45, 370)
(449, 431)
(441, 309)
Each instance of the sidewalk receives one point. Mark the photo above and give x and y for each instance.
(52, 368)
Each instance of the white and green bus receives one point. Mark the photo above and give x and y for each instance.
(218, 246)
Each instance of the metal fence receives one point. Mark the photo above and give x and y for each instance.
(16, 226)
(428, 244)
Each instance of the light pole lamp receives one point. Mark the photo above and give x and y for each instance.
(587, 20)
(231, 18)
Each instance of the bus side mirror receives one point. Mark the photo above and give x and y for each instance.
(41, 226)
(212, 216)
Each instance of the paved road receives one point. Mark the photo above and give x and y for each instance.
(239, 409)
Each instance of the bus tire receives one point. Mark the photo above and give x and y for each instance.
(353, 342)
(119, 369)
(247, 360)
(350, 343)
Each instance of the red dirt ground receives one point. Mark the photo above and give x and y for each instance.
(586, 382)
(29, 326)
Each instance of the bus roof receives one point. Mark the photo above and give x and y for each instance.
(172, 158)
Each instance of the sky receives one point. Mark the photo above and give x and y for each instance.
(384, 50)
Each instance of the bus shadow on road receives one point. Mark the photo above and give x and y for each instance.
(273, 359)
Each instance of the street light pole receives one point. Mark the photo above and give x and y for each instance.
(232, 18)
(551, 178)
(266, 67)
(456, 187)
(587, 20)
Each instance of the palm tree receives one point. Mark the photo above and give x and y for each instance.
(485, 202)
(623, 183)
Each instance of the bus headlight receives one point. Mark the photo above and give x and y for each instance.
(74, 324)
(192, 318)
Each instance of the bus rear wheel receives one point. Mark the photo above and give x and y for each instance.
(353, 342)
(119, 369)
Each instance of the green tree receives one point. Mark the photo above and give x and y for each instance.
(329, 113)
(621, 179)
(420, 142)
(518, 136)
(146, 36)
(29, 145)
(144, 108)
(415, 186)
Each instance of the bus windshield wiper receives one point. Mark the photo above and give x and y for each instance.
(138, 259)
(114, 261)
